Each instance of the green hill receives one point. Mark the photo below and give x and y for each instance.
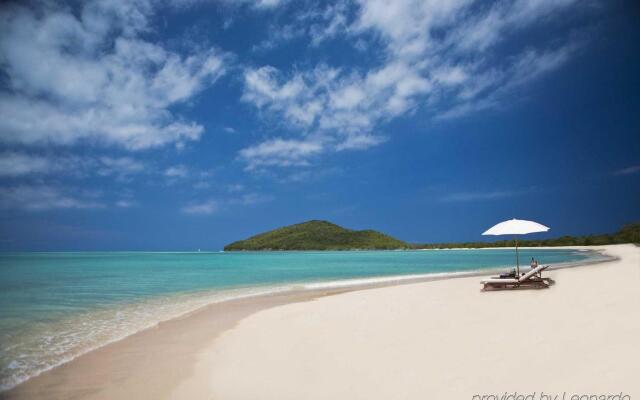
(317, 235)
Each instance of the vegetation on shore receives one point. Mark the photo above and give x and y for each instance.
(318, 235)
(323, 235)
(627, 234)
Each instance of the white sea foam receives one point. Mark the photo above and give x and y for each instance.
(44, 347)
(383, 280)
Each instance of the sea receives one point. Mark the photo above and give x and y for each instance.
(57, 306)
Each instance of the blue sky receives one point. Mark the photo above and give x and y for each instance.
(185, 124)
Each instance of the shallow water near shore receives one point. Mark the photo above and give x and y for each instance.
(56, 306)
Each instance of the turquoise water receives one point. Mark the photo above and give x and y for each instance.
(55, 306)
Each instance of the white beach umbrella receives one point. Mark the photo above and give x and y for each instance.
(516, 227)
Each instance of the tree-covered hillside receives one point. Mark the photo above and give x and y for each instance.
(627, 234)
(318, 235)
(323, 235)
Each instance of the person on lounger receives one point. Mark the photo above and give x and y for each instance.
(534, 265)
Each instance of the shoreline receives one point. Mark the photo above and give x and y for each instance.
(228, 313)
(297, 251)
(361, 283)
(443, 339)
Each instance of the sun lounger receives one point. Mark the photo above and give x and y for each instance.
(510, 274)
(531, 279)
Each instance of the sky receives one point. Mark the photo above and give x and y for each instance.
(189, 124)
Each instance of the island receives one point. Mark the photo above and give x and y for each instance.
(324, 235)
(318, 235)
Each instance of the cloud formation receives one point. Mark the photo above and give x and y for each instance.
(628, 171)
(207, 207)
(214, 206)
(484, 196)
(177, 171)
(436, 56)
(16, 164)
(98, 73)
(280, 152)
(45, 197)
(92, 76)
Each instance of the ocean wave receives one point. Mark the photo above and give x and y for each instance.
(26, 354)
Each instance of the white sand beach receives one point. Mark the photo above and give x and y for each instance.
(438, 340)
(431, 340)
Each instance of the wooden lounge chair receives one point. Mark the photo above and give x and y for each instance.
(531, 280)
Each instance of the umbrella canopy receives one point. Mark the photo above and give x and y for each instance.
(516, 227)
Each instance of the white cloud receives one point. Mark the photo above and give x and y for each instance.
(20, 164)
(44, 197)
(490, 88)
(307, 175)
(331, 21)
(203, 208)
(337, 107)
(258, 5)
(14, 164)
(177, 171)
(121, 167)
(482, 30)
(102, 82)
(319, 21)
(360, 142)
(278, 34)
(407, 25)
(254, 198)
(435, 55)
(532, 63)
(211, 206)
(125, 203)
(268, 3)
(202, 185)
(293, 97)
(105, 82)
(280, 152)
(628, 171)
(483, 196)
(235, 187)
(326, 99)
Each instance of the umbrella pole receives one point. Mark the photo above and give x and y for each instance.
(517, 259)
